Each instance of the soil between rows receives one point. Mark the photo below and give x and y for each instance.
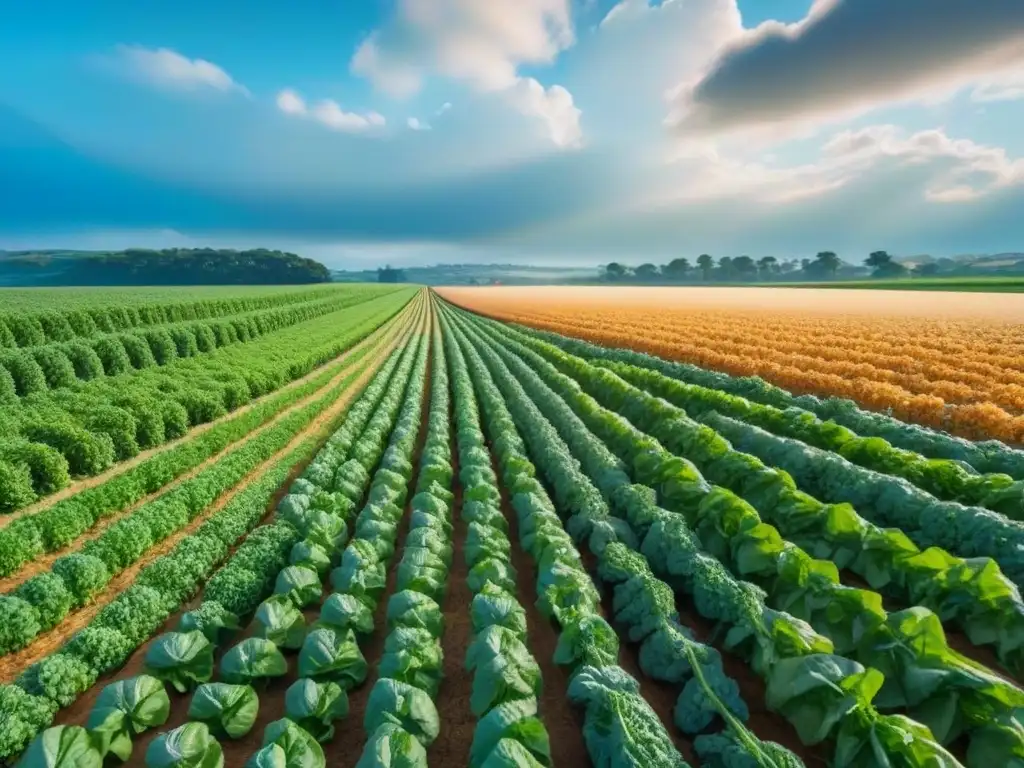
(458, 723)
(563, 721)
(345, 749)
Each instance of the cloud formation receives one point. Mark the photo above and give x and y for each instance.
(329, 113)
(169, 70)
(482, 44)
(848, 56)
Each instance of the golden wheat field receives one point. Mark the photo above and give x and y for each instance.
(948, 360)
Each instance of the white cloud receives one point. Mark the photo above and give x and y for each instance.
(1006, 86)
(291, 103)
(554, 106)
(479, 43)
(170, 70)
(443, 108)
(415, 124)
(329, 113)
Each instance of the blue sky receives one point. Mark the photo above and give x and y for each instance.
(545, 131)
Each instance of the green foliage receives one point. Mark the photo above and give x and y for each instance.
(59, 677)
(15, 486)
(49, 596)
(24, 716)
(211, 618)
(126, 708)
(101, 648)
(161, 345)
(55, 365)
(182, 659)
(251, 660)
(188, 746)
(49, 469)
(83, 575)
(138, 351)
(228, 710)
(85, 452)
(64, 746)
(136, 613)
(27, 374)
(315, 706)
(112, 354)
(84, 359)
(286, 745)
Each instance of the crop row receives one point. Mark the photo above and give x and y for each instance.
(944, 478)
(37, 327)
(240, 585)
(63, 364)
(955, 376)
(885, 500)
(973, 594)
(863, 636)
(969, 698)
(74, 580)
(618, 720)
(83, 430)
(948, 405)
(315, 513)
(29, 705)
(57, 526)
(985, 457)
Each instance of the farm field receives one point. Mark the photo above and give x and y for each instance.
(949, 361)
(438, 538)
(984, 284)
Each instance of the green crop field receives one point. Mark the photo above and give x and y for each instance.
(973, 284)
(362, 526)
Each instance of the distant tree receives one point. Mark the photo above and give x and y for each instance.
(884, 265)
(767, 266)
(677, 269)
(828, 263)
(706, 264)
(726, 271)
(805, 265)
(789, 265)
(928, 269)
(388, 275)
(646, 272)
(173, 266)
(744, 267)
(615, 271)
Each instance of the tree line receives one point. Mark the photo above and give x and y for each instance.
(169, 266)
(826, 265)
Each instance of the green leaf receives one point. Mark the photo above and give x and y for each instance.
(190, 746)
(125, 709)
(315, 706)
(330, 655)
(227, 709)
(64, 746)
(183, 659)
(252, 659)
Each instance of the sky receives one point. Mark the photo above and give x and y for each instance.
(556, 132)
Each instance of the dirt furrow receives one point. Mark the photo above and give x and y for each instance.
(458, 723)
(563, 721)
(346, 748)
